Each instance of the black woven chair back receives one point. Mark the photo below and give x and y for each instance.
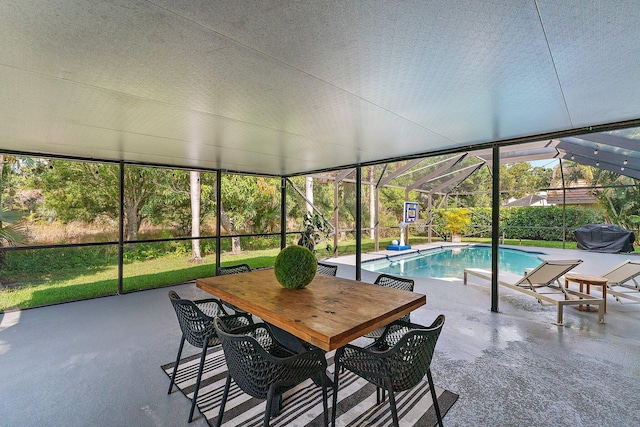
(195, 325)
(389, 281)
(409, 360)
(254, 369)
(196, 322)
(234, 269)
(398, 360)
(327, 269)
(405, 362)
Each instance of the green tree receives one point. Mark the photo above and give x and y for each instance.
(267, 218)
(322, 199)
(540, 177)
(12, 230)
(520, 179)
(573, 172)
(476, 189)
(622, 204)
(87, 191)
(249, 204)
(171, 203)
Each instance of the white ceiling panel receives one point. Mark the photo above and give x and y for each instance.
(471, 71)
(280, 88)
(596, 50)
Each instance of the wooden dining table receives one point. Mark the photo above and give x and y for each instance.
(328, 313)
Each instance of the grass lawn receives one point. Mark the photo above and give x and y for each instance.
(77, 284)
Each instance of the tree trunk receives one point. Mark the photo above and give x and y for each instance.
(2, 254)
(226, 223)
(131, 222)
(194, 191)
(372, 203)
(308, 192)
(2, 161)
(235, 245)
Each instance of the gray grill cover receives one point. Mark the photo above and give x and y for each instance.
(605, 238)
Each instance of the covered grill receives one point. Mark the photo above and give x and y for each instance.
(605, 238)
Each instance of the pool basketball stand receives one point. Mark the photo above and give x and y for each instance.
(399, 246)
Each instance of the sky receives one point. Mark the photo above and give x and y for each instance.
(548, 163)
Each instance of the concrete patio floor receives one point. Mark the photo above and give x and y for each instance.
(97, 362)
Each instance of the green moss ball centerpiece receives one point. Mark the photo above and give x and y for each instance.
(295, 267)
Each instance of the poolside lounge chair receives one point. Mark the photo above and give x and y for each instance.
(620, 275)
(539, 283)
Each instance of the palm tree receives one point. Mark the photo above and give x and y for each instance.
(11, 232)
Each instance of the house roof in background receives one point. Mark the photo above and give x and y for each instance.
(281, 88)
(573, 196)
(528, 200)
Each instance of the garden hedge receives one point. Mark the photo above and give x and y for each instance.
(528, 223)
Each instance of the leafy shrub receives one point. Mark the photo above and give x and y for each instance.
(537, 223)
(45, 261)
(260, 243)
(180, 247)
(456, 220)
(527, 223)
(144, 251)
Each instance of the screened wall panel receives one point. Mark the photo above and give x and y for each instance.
(36, 277)
(155, 264)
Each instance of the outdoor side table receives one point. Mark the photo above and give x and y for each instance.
(588, 280)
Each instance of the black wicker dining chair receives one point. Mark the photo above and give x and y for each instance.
(263, 368)
(389, 281)
(396, 361)
(233, 269)
(327, 269)
(196, 323)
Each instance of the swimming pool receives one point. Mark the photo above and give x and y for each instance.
(450, 262)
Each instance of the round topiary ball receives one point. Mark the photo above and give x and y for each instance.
(295, 267)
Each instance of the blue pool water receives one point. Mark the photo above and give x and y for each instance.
(450, 262)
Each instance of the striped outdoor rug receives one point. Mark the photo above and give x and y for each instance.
(302, 406)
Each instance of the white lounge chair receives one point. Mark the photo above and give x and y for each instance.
(539, 283)
(619, 276)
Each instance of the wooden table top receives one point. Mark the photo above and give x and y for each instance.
(578, 277)
(328, 313)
